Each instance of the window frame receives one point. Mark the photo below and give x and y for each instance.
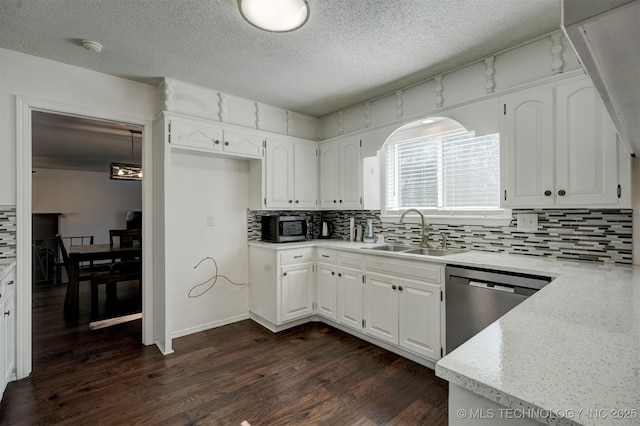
(460, 216)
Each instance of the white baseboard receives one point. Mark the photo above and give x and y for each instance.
(208, 326)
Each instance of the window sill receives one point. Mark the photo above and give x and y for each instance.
(494, 221)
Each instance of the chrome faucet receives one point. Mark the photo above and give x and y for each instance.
(424, 241)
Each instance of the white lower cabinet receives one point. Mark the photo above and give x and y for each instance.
(281, 285)
(350, 295)
(296, 291)
(7, 328)
(380, 298)
(403, 304)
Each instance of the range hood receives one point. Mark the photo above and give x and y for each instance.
(606, 37)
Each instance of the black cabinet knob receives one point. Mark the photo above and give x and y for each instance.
(562, 193)
(226, 143)
(548, 193)
(285, 274)
(297, 201)
(339, 274)
(217, 142)
(340, 200)
(393, 287)
(400, 288)
(334, 201)
(290, 201)
(333, 273)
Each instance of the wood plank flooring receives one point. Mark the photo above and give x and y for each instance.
(312, 374)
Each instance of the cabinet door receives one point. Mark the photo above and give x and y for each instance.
(350, 298)
(9, 344)
(329, 175)
(527, 148)
(419, 309)
(244, 144)
(326, 291)
(198, 136)
(381, 300)
(279, 174)
(296, 291)
(586, 148)
(3, 345)
(350, 194)
(305, 167)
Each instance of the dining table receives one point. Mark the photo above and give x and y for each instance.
(88, 253)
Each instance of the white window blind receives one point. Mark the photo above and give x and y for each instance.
(446, 173)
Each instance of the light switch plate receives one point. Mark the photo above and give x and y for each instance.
(211, 221)
(527, 221)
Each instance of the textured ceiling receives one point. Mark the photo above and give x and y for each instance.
(349, 50)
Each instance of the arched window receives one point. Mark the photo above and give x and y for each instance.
(439, 167)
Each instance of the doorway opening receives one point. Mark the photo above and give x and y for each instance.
(31, 159)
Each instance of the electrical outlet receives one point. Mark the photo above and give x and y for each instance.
(211, 221)
(527, 221)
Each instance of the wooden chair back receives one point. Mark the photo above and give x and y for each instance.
(125, 237)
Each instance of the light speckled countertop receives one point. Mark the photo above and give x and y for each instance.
(574, 345)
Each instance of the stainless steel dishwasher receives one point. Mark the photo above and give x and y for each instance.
(476, 297)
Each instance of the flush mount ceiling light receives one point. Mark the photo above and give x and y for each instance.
(126, 171)
(278, 16)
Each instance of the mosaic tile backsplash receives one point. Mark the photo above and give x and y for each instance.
(578, 234)
(7, 232)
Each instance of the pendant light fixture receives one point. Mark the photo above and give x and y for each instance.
(276, 16)
(126, 171)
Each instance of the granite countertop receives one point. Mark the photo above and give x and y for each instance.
(572, 346)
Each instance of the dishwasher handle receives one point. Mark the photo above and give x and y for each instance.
(497, 287)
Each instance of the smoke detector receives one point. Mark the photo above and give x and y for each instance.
(91, 45)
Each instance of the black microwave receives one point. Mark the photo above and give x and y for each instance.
(282, 229)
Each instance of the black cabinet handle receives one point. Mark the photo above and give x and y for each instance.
(334, 201)
(8, 313)
(548, 193)
(290, 201)
(10, 282)
(393, 287)
(297, 201)
(340, 200)
(562, 193)
(325, 255)
(297, 256)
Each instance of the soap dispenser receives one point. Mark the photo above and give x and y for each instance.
(368, 233)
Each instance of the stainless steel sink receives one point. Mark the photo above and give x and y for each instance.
(431, 252)
(390, 247)
(399, 248)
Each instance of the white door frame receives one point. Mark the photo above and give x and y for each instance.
(24, 107)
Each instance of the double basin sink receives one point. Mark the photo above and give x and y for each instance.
(399, 248)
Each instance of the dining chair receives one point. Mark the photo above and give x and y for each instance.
(124, 237)
(84, 272)
(128, 270)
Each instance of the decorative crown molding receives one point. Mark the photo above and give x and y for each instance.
(439, 89)
(399, 111)
(490, 74)
(557, 47)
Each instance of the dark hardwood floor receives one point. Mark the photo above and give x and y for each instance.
(312, 374)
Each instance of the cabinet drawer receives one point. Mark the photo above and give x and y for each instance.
(350, 260)
(326, 256)
(425, 271)
(296, 256)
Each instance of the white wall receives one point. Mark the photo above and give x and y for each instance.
(90, 202)
(198, 187)
(30, 76)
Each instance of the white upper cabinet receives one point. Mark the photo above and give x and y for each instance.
(340, 174)
(290, 175)
(559, 149)
(205, 136)
(586, 148)
(527, 148)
